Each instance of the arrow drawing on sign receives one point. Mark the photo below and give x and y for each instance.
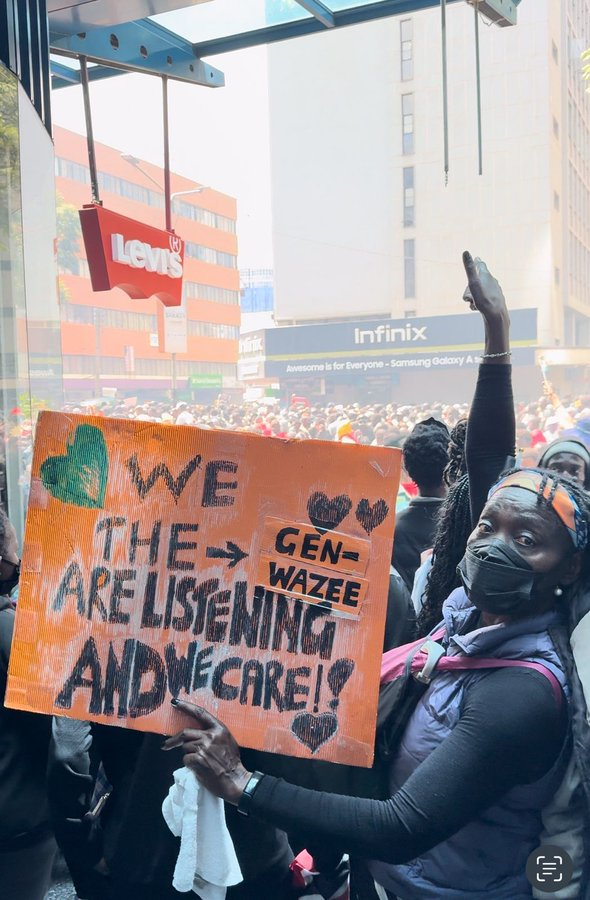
(233, 553)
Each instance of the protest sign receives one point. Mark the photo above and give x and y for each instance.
(246, 574)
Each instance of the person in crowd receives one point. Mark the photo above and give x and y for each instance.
(485, 750)
(569, 457)
(425, 455)
(27, 845)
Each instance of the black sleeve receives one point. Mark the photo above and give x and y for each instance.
(491, 432)
(510, 732)
(400, 621)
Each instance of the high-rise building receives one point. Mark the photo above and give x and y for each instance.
(256, 299)
(110, 340)
(364, 225)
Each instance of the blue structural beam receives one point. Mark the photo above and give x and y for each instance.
(64, 76)
(142, 46)
(321, 12)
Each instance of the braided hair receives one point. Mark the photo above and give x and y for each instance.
(453, 529)
(4, 523)
(456, 466)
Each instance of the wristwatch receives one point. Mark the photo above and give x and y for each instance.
(246, 798)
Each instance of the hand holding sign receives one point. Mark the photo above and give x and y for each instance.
(210, 750)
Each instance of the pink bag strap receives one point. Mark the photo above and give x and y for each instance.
(457, 663)
(424, 656)
(394, 661)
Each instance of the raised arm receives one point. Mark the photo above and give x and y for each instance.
(491, 429)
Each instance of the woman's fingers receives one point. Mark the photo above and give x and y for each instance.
(205, 719)
(187, 735)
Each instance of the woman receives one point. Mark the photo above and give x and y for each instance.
(27, 846)
(484, 751)
(568, 456)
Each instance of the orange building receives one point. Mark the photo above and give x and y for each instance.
(110, 340)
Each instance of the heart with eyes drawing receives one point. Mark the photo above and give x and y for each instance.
(79, 477)
(313, 731)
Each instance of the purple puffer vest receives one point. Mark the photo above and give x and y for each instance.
(488, 856)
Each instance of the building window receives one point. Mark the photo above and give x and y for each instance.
(213, 329)
(406, 49)
(209, 255)
(409, 217)
(554, 52)
(555, 127)
(407, 124)
(556, 276)
(112, 184)
(208, 292)
(409, 269)
(203, 216)
(556, 201)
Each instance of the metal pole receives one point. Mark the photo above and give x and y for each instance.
(89, 132)
(478, 91)
(173, 360)
(443, 19)
(97, 336)
(167, 196)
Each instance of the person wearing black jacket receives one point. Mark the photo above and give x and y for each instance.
(27, 845)
(426, 456)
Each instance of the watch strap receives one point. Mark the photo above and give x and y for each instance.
(248, 793)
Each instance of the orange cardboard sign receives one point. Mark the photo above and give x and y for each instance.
(246, 574)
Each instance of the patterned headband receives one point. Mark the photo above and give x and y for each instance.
(559, 498)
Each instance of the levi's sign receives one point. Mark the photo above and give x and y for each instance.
(246, 574)
(141, 260)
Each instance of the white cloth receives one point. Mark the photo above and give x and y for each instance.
(420, 581)
(207, 862)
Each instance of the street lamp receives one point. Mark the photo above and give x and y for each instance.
(135, 161)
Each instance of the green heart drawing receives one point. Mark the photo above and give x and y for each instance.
(80, 477)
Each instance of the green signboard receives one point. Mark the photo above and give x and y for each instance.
(205, 380)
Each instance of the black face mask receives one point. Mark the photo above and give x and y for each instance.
(7, 585)
(497, 579)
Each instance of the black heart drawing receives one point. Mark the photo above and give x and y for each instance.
(325, 513)
(371, 516)
(313, 731)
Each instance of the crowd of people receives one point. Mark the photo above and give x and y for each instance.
(380, 424)
(490, 759)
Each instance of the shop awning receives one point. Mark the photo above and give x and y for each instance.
(175, 37)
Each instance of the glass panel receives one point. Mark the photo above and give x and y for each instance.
(30, 347)
(409, 269)
(406, 30)
(208, 21)
(336, 5)
(13, 333)
(408, 176)
(407, 103)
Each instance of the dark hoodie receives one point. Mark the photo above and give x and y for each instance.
(24, 741)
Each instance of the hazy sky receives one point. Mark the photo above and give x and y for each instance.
(218, 137)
